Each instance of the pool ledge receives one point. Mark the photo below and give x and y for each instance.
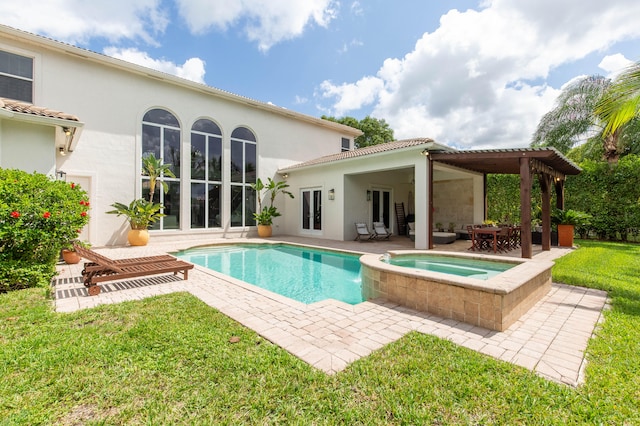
(495, 304)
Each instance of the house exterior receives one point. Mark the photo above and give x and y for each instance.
(89, 118)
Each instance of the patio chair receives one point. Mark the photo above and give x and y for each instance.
(362, 232)
(104, 269)
(381, 232)
(504, 238)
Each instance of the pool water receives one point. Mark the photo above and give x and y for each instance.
(300, 273)
(463, 267)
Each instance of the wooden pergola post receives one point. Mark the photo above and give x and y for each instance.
(545, 185)
(525, 208)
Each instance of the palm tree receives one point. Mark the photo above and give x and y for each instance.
(621, 103)
(154, 168)
(575, 118)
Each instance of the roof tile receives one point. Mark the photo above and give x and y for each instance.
(27, 108)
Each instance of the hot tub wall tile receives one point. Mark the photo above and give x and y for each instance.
(493, 305)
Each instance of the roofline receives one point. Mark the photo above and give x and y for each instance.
(68, 49)
(428, 144)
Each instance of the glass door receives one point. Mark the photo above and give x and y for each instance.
(312, 209)
(381, 206)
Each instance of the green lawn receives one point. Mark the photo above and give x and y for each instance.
(168, 360)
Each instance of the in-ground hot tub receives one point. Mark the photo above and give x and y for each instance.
(494, 303)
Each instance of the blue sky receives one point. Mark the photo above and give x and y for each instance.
(471, 74)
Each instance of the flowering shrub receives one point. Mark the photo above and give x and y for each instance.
(38, 216)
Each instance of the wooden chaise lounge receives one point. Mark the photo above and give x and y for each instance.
(101, 268)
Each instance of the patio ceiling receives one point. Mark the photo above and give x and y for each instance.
(505, 161)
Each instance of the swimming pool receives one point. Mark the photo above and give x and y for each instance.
(304, 274)
(463, 267)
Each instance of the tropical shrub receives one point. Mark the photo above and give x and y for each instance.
(38, 216)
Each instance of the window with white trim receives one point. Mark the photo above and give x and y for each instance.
(346, 144)
(206, 174)
(16, 77)
(243, 174)
(161, 137)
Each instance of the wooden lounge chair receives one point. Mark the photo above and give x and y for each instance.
(104, 269)
(97, 258)
(381, 232)
(362, 232)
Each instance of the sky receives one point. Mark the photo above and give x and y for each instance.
(469, 74)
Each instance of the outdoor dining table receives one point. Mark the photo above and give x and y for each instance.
(487, 230)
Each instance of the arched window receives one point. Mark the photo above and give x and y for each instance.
(243, 174)
(206, 174)
(161, 137)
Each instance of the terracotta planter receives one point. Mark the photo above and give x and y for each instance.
(70, 257)
(264, 231)
(565, 235)
(138, 237)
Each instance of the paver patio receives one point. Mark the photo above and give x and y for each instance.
(549, 339)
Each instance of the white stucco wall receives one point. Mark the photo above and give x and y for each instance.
(351, 179)
(111, 102)
(27, 146)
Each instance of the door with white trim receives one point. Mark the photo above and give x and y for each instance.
(311, 210)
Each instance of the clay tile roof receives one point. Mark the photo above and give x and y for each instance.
(360, 152)
(27, 108)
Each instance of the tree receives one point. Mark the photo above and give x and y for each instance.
(575, 117)
(375, 131)
(154, 168)
(621, 103)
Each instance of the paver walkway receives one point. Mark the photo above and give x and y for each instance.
(550, 339)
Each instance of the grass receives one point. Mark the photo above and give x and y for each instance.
(168, 360)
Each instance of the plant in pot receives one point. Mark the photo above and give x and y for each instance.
(265, 214)
(142, 213)
(566, 221)
(69, 255)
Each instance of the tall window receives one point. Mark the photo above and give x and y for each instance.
(312, 209)
(161, 137)
(243, 174)
(206, 174)
(16, 77)
(346, 144)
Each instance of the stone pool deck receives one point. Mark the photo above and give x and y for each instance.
(550, 339)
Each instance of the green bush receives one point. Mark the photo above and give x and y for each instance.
(38, 216)
(17, 275)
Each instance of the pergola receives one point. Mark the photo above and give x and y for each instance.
(548, 164)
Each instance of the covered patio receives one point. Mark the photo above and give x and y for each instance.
(549, 166)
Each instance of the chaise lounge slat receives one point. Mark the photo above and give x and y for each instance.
(99, 259)
(102, 268)
(92, 277)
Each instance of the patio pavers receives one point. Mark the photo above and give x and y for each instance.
(550, 338)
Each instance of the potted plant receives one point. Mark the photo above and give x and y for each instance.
(142, 213)
(567, 220)
(69, 255)
(265, 214)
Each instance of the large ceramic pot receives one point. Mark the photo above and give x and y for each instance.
(565, 235)
(138, 237)
(264, 231)
(70, 257)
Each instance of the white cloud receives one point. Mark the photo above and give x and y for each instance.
(352, 96)
(479, 79)
(77, 21)
(614, 64)
(266, 22)
(193, 69)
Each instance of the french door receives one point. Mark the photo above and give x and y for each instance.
(312, 209)
(381, 206)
